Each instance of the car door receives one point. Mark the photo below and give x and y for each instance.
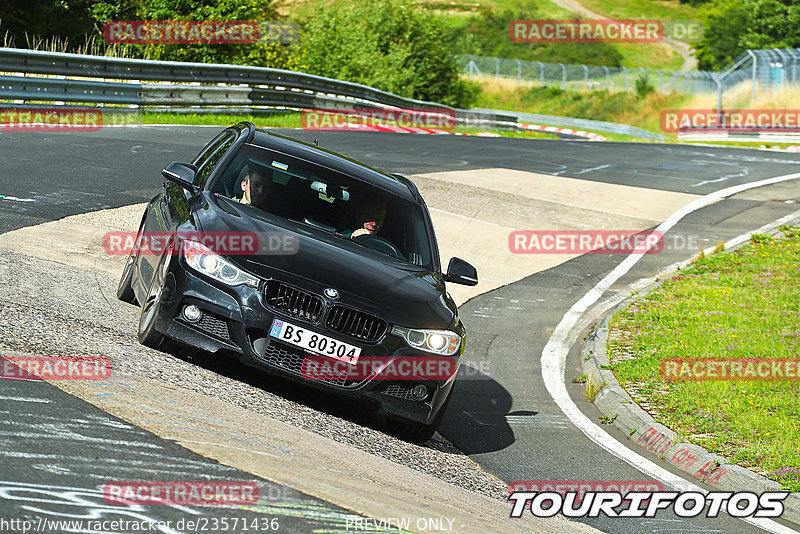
(170, 209)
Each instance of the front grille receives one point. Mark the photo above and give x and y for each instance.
(214, 326)
(290, 359)
(295, 302)
(355, 323)
(396, 390)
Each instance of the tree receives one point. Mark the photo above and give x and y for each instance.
(389, 44)
(259, 54)
(733, 26)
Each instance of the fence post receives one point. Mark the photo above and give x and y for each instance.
(519, 69)
(585, 76)
(660, 79)
(674, 81)
(755, 72)
(563, 76)
(497, 67)
(541, 71)
(626, 78)
(608, 78)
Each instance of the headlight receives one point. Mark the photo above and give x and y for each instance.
(437, 341)
(204, 260)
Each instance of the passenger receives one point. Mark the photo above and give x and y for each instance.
(256, 185)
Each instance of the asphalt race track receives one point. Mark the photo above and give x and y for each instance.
(501, 417)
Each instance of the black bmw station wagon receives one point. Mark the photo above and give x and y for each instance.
(343, 268)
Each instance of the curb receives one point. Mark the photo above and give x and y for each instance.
(614, 402)
(591, 136)
(792, 148)
(554, 129)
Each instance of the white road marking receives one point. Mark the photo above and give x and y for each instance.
(592, 169)
(555, 352)
(25, 399)
(16, 199)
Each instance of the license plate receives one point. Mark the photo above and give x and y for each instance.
(312, 341)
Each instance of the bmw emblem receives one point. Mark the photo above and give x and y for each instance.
(331, 293)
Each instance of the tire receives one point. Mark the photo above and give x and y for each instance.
(148, 335)
(125, 289)
(420, 432)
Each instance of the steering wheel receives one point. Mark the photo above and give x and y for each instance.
(380, 244)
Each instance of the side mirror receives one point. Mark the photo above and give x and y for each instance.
(461, 272)
(182, 174)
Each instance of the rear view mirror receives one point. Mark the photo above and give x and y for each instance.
(336, 192)
(461, 272)
(181, 174)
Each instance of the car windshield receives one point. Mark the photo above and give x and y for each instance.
(329, 201)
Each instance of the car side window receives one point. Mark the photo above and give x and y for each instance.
(208, 160)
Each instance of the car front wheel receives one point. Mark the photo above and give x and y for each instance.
(148, 335)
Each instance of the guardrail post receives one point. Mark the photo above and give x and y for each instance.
(563, 76)
(608, 78)
(519, 69)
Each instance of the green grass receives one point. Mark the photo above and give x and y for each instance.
(283, 120)
(620, 107)
(643, 9)
(739, 304)
(292, 120)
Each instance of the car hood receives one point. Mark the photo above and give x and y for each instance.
(369, 280)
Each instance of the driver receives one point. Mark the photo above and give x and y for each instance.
(370, 216)
(256, 185)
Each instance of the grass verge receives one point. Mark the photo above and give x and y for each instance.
(292, 120)
(743, 303)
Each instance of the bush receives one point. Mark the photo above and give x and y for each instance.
(733, 26)
(258, 54)
(388, 44)
(643, 86)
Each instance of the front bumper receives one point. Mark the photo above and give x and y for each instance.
(236, 321)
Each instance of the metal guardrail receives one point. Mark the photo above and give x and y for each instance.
(55, 63)
(202, 84)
